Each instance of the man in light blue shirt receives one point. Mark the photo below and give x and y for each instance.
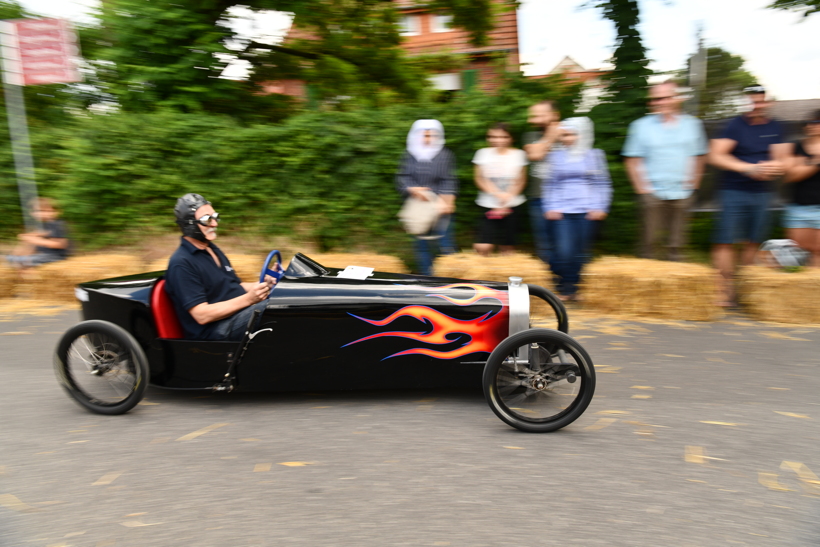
(665, 156)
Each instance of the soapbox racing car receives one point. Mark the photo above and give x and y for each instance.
(330, 329)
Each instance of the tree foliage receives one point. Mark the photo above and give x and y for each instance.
(624, 102)
(171, 53)
(725, 79)
(807, 7)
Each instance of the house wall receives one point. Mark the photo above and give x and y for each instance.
(502, 40)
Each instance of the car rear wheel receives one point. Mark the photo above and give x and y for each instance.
(102, 367)
(539, 380)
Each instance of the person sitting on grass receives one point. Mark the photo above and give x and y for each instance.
(43, 246)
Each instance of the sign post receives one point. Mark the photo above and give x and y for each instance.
(34, 52)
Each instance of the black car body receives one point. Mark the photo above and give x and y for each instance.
(319, 331)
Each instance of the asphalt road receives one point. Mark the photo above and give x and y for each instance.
(699, 434)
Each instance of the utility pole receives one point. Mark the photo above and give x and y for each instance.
(697, 74)
(34, 52)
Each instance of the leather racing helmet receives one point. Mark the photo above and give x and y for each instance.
(185, 211)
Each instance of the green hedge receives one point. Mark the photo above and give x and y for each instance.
(323, 175)
(326, 177)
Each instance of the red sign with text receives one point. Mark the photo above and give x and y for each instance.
(39, 51)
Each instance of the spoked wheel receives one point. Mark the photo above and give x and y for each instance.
(102, 367)
(539, 380)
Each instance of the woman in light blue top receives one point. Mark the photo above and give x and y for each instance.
(574, 196)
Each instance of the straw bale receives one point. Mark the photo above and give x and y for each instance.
(469, 265)
(57, 279)
(7, 279)
(380, 263)
(248, 267)
(773, 295)
(634, 286)
(472, 266)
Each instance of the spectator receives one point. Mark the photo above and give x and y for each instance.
(575, 195)
(537, 145)
(427, 172)
(751, 152)
(41, 247)
(665, 156)
(500, 175)
(802, 215)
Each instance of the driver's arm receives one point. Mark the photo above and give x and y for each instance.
(208, 313)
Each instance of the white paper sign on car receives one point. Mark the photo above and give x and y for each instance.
(355, 272)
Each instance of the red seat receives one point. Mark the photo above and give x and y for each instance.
(165, 316)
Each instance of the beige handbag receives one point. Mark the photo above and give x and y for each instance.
(419, 216)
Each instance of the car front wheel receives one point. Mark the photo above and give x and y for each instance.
(539, 380)
(102, 367)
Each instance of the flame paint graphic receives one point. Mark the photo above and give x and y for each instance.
(484, 333)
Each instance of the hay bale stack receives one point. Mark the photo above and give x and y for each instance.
(248, 267)
(772, 295)
(380, 263)
(469, 265)
(56, 280)
(7, 279)
(654, 288)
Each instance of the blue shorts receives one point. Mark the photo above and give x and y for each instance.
(801, 216)
(36, 259)
(744, 216)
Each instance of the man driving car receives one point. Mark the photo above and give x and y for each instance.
(210, 300)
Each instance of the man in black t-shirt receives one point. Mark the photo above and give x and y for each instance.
(751, 152)
(41, 247)
(210, 300)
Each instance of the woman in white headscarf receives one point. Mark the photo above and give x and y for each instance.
(428, 172)
(575, 195)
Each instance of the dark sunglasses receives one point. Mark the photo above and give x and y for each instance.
(653, 99)
(812, 122)
(205, 220)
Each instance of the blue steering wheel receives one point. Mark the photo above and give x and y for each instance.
(272, 267)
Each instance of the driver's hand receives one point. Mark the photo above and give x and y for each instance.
(259, 292)
(270, 281)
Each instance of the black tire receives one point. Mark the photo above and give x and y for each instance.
(555, 303)
(536, 395)
(102, 367)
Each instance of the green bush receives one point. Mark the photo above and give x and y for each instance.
(326, 176)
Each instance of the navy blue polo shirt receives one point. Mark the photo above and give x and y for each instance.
(193, 278)
(753, 142)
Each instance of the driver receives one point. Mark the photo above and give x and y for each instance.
(210, 300)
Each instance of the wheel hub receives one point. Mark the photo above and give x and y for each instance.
(104, 361)
(539, 383)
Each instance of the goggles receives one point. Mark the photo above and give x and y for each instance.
(754, 89)
(205, 220)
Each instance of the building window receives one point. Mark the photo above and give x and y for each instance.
(410, 25)
(442, 23)
(446, 82)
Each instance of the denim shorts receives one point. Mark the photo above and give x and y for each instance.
(801, 216)
(744, 216)
(36, 259)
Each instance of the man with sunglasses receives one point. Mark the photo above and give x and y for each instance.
(665, 156)
(210, 300)
(751, 152)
